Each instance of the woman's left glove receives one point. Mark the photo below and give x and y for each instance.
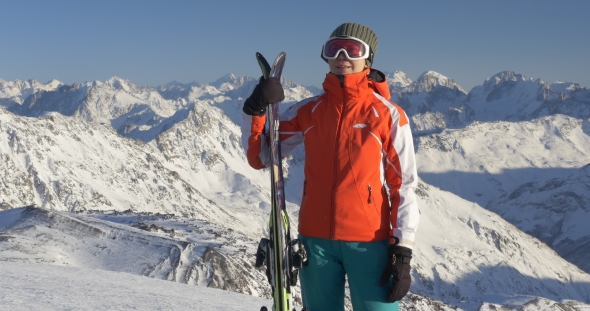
(268, 91)
(398, 267)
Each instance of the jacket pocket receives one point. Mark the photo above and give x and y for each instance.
(373, 213)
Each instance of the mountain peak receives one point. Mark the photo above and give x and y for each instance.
(230, 77)
(428, 80)
(178, 85)
(120, 83)
(230, 82)
(565, 87)
(432, 74)
(501, 77)
(398, 79)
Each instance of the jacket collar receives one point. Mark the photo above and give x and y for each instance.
(355, 85)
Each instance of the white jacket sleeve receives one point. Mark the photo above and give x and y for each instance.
(402, 178)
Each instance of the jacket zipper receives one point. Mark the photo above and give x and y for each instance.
(370, 194)
(333, 208)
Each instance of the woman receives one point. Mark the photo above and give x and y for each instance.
(359, 214)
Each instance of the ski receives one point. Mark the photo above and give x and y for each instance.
(282, 255)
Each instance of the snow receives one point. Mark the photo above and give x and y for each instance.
(503, 193)
(480, 249)
(564, 87)
(9, 217)
(397, 79)
(435, 75)
(47, 287)
(575, 225)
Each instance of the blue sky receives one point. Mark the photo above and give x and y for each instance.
(154, 42)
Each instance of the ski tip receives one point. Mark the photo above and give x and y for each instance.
(260, 57)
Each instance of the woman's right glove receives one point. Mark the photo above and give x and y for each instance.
(268, 91)
(398, 267)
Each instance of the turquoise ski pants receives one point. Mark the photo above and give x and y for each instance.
(329, 261)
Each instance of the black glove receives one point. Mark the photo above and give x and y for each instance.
(398, 266)
(268, 91)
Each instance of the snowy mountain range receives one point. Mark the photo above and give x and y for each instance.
(153, 181)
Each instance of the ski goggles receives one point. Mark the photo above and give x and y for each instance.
(353, 48)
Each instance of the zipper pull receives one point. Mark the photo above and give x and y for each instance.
(370, 194)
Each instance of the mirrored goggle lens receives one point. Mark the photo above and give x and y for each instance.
(354, 48)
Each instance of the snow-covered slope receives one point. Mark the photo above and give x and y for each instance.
(436, 102)
(195, 169)
(397, 81)
(15, 92)
(88, 152)
(28, 287)
(40, 287)
(469, 255)
(466, 257)
(513, 97)
(533, 173)
(430, 92)
(137, 112)
(433, 101)
(162, 246)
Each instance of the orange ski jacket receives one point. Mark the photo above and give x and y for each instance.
(360, 169)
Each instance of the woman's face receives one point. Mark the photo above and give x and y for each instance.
(343, 66)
